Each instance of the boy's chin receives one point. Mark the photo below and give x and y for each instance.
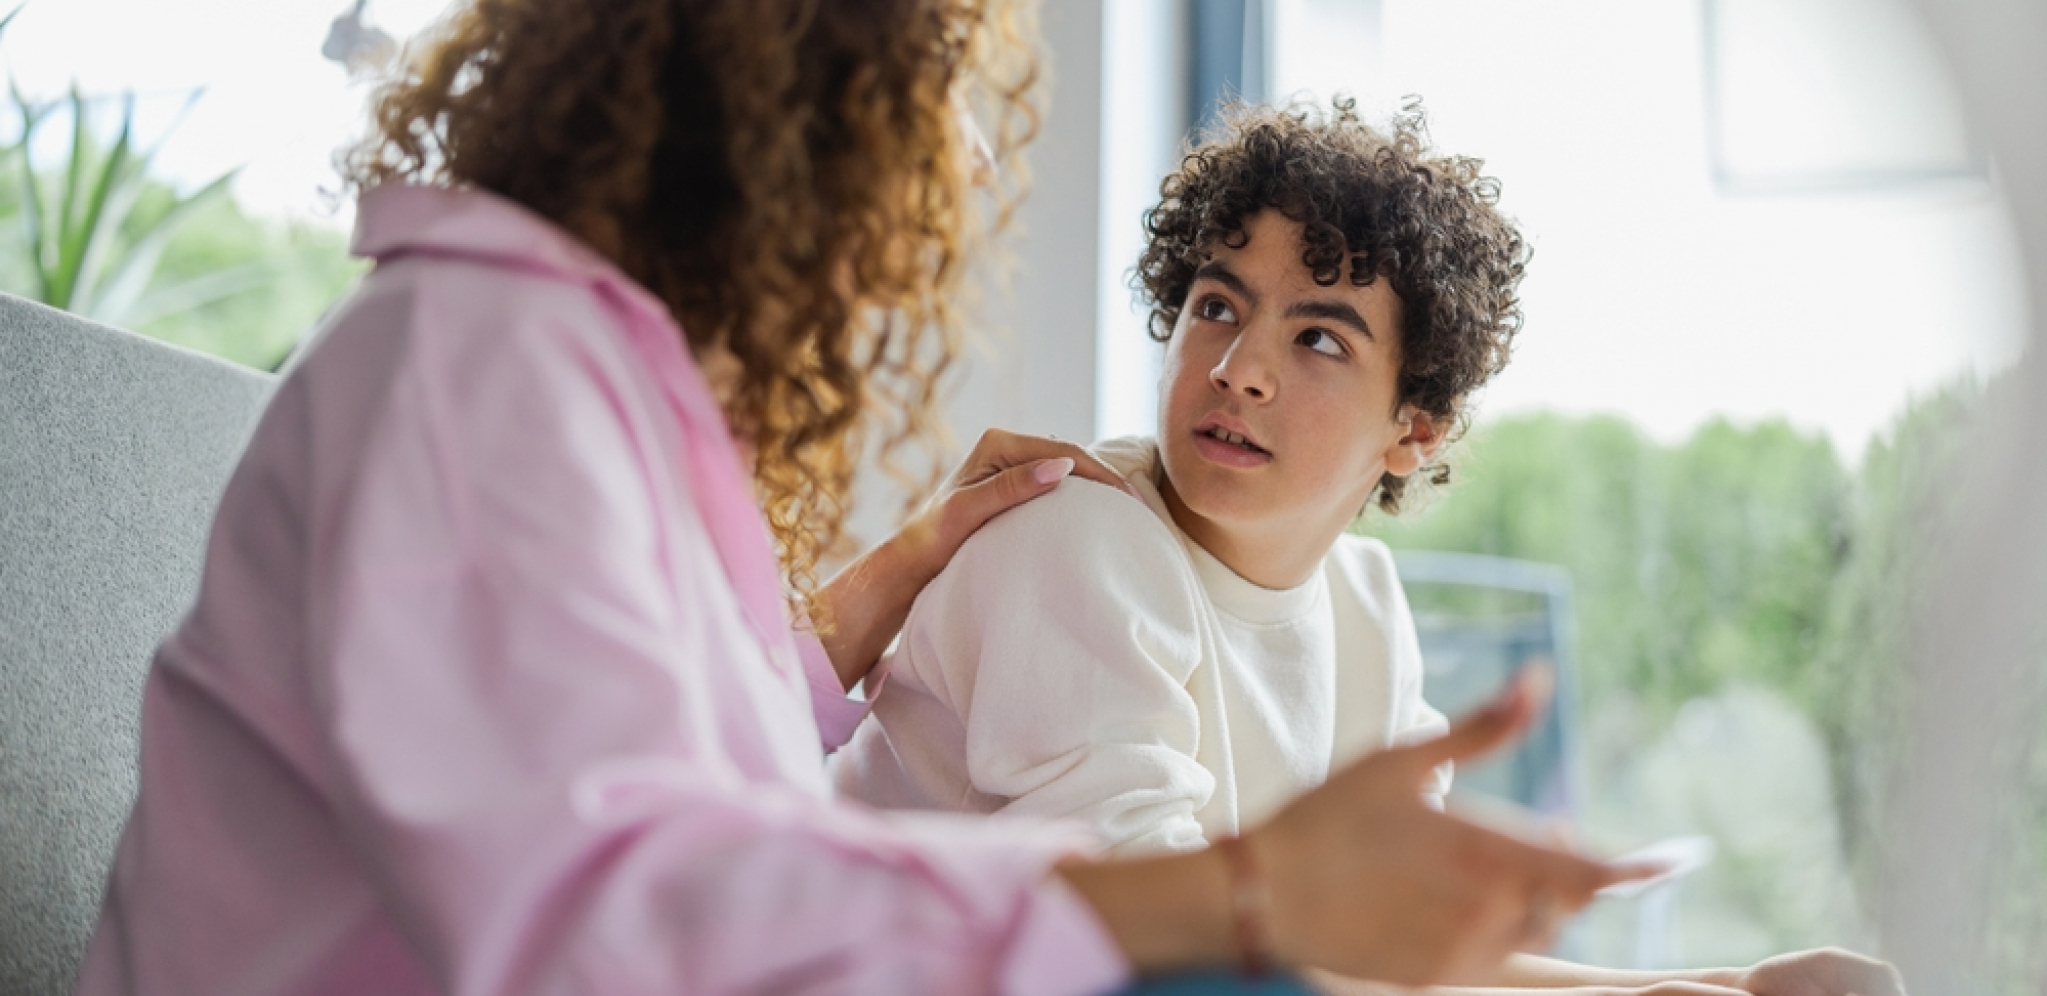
(1225, 504)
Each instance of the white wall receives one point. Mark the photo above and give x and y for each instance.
(1144, 117)
(1033, 366)
(1034, 357)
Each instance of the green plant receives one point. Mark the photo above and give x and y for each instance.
(97, 233)
(87, 250)
(306, 267)
(1694, 565)
(84, 249)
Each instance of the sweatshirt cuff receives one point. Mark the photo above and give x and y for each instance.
(836, 713)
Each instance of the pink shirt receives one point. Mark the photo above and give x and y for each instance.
(489, 687)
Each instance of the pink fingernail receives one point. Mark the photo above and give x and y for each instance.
(1051, 470)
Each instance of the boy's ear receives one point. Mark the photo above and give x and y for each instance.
(1420, 437)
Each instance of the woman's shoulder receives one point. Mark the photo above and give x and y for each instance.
(476, 279)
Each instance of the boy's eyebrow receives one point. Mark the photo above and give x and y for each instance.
(1220, 272)
(1333, 311)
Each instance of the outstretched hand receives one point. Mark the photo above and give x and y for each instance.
(1367, 880)
(1822, 972)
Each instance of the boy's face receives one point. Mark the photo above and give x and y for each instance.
(1277, 411)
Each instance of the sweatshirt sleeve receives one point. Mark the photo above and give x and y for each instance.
(1062, 635)
(543, 748)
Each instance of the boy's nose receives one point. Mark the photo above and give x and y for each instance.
(1244, 370)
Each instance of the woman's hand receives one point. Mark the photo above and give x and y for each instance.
(1368, 881)
(1822, 972)
(870, 599)
(1362, 877)
(1004, 470)
(1328, 985)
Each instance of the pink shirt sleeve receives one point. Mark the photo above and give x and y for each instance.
(551, 745)
(837, 713)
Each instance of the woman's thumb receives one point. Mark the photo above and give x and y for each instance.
(1491, 726)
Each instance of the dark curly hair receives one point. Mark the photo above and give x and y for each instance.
(791, 177)
(1370, 202)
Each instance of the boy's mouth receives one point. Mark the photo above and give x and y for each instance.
(1223, 435)
(1224, 440)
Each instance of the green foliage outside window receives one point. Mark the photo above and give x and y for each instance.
(1745, 564)
(94, 232)
(224, 282)
(1694, 565)
(305, 269)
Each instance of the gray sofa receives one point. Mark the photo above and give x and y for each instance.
(113, 453)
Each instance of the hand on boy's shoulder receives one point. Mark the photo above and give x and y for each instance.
(1084, 579)
(1084, 549)
(1078, 519)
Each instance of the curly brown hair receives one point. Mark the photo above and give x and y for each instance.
(789, 176)
(1381, 203)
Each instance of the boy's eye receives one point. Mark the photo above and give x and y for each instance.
(1320, 341)
(1215, 309)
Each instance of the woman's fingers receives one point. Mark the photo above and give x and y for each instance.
(997, 452)
(1005, 470)
(974, 504)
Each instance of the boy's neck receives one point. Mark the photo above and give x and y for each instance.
(1279, 555)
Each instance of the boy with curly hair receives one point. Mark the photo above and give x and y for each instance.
(1171, 672)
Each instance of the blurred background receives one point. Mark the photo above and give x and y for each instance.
(1776, 278)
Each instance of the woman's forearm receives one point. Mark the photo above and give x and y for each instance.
(1167, 914)
(867, 602)
(1527, 971)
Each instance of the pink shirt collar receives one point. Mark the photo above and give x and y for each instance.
(400, 219)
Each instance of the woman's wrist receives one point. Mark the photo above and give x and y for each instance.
(869, 600)
(1250, 906)
(1166, 914)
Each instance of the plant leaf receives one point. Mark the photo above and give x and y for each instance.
(67, 201)
(187, 295)
(144, 157)
(86, 246)
(32, 211)
(127, 189)
(130, 277)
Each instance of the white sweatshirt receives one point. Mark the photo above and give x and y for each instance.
(1081, 657)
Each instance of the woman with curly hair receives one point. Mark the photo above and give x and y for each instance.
(492, 685)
